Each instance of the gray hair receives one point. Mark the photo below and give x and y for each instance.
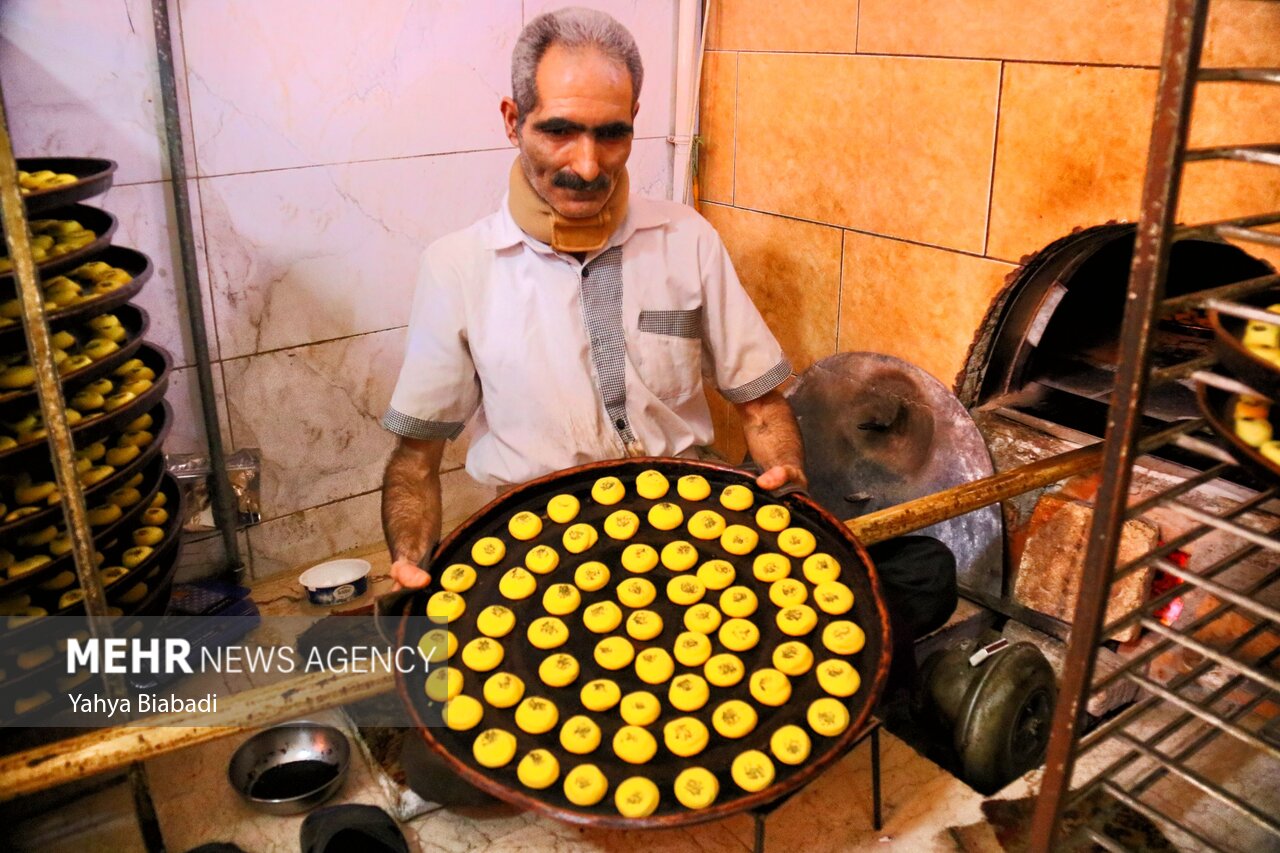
(572, 27)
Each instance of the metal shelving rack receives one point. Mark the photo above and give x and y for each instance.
(1159, 738)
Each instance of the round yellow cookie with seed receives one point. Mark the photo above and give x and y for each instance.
(541, 559)
(820, 568)
(621, 524)
(614, 653)
(488, 551)
(585, 785)
(737, 498)
(702, 618)
(602, 617)
(537, 715)
(797, 542)
(833, 597)
(739, 635)
(636, 797)
(770, 687)
(838, 678)
(770, 567)
(580, 735)
(443, 683)
(462, 713)
(494, 748)
(685, 590)
(738, 601)
(738, 539)
(496, 621)
(688, 692)
(828, 717)
(790, 744)
(637, 592)
(679, 556)
(538, 769)
(503, 689)
(639, 558)
(717, 574)
(634, 745)
(723, 670)
(706, 524)
(579, 537)
(797, 621)
(547, 632)
(665, 516)
(692, 648)
(685, 736)
(608, 491)
(458, 578)
(558, 670)
(752, 771)
(788, 592)
(639, 708)
(563, 509)
(843, 637)
(696, 788)
(651, 484)
(445, 606)
(561, 599)
(482, 654)
(517, 584)
(734, 719)
(793, 658)
(693, 487)
(437, 645)
(773, 518)
(524, 526)
(591, 576)
(644, 625)
(654, 666)
(600, 694)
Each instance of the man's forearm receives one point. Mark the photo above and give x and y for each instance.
(411, 499)
(772, 434)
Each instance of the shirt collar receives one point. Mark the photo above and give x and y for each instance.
(641, 214)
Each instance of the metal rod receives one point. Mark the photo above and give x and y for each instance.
(1226, 383)
(1249, 75)
(1244, 312)
(1157, 817)
(1104, 841)
(876, 821)
(1224, 592)
(1184, 34)
(1247, 533)
(1204, 448)
(1249, 235)
(1209, 229)
(225, 514)
(1174, 372)
(1213, 654)
(1227, 291)
(1242, 735)
(1262, 153)
(1190, 484)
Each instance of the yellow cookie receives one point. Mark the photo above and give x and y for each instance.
(458, 578)
(496, 621)
(793, 658)
(724, 670)
(716, 574)
(654, 666)
(503, 690)
(538, 769)
(524, 526)
(563, 509)
(602, 617)
(482, 654)
(838, 678)
(706, 524)
(462, 713)
(685, 736)
(693, 487)
(547, 632)
(644, 625)
(752, 771)
(541, 559)
(537, 715)
(561, 599)
(665, 516)
(797, 621)
(702, 618)
(797, 542)
(489, 551)
(738, 601)
(770, 568)
(788, 592)
(770, 687)
(688, 692)
(600, 694)
(692, 648)
(634, 745)
(679, 556)
(640, 708)
(614, 652)
(637, 796)
(608, 491)
(773, 518)
(828, 716)
(651, 484)
(734, 718)
(843, 637)
(820, 568)
(790, 745)
(639, 558)
(558, 670)
(833, 597)
(685, 590)
(739, 635)
(579, 537)
(621, 524)
(585, 785)
(637, 592)
(580, 735)
(738, 539)
(494, 748)
(517, 584)
(445, 606)
(696, 788)
(443, 683)
(737, 498)
(437, 645)
(591, 576)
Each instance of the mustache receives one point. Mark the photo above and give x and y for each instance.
(569, 180)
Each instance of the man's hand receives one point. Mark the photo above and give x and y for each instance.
(782, 475)
(773, 439)
(407, 575)
(411, 508)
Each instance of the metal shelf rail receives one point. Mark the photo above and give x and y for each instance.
(1151, 755)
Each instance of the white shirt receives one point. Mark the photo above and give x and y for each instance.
(566, 363)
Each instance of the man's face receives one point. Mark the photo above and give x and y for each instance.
(577, 140)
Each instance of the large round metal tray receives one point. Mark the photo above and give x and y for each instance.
(131, 261)
(95, 177)
(1218, 408)
(1228, 334)
(100, 222)
(522, 659)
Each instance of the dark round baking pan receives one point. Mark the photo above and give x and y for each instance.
(1239, 360)
(103, 539)
(163, 420)
(136, 323)
(131, 261)
(91, 429)
(1218, 408)
(521, 659)
(100, 222)
(94, 178)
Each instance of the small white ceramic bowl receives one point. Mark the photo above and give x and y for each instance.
(336, 581)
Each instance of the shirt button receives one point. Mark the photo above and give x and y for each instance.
(585, 272)
(620, 424)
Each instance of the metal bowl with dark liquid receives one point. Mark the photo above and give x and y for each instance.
(291, 768)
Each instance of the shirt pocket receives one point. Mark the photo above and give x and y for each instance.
(669, 350)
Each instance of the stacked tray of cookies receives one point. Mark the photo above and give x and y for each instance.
(651, 642)
(113, 383)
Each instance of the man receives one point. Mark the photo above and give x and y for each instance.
(577, 322)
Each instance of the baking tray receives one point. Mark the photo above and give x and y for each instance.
(163, 417)
(136, 323)
(95, 177)
(100, 222)
(1228, 333)
(832, 536)
(1218, 408)
(131, 261)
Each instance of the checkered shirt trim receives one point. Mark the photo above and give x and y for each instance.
(402, 424)
(759, 386)
(601, 290)
(680, 324)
